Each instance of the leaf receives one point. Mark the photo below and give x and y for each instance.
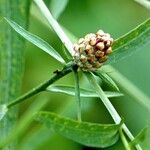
(67, 55)
(11, 62)
(3, 111)
(35, 40)
(89, 134)
(103, 97)
(132, 41)
(106, 79)
(57, 7)
(137, 95)
(83, 92)
(143, 137)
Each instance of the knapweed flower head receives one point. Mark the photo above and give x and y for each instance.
(92, 51)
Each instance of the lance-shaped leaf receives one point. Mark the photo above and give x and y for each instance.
(142, 138)
(36, 41)
(106, 79)
(70, 90)
(132, 41)
(89, 134)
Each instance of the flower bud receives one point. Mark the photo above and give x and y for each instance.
(100, 45)
(93, 50)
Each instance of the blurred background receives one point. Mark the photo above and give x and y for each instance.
(81, 17)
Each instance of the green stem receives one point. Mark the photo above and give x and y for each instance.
(77, 94)
(133, 91)
(116, 117)
(66, 70)
(124, 140)
(47, 14)
(69, 46)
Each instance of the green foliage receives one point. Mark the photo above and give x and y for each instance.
(36, 40)
(106, 79)
(11, 62)
(86, 133)
(70, 90)
(142, 137)
(103, 97)
(89, 134)
(130, 42)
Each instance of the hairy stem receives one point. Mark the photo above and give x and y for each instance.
(66, 70)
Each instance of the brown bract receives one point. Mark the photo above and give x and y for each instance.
(93, 50)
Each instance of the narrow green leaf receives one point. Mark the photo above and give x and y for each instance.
(132, 41)
(116, 117)
(141, 137)
(83, 92)
(57, 7)
(103, 97)
(106, 79)
(3, 111)
(137, 95)
(11, 62)
(67, 55)
(36, 40)
(89, 134)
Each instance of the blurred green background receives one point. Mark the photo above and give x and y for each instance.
(81, 17)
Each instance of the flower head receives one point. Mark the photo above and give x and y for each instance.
(92, 50)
